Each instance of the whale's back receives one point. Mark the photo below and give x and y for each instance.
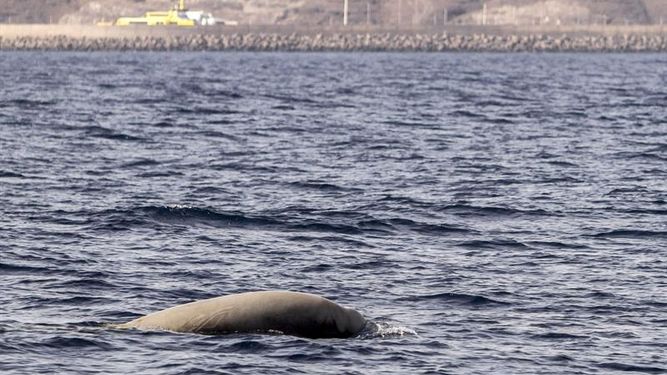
(292, 313)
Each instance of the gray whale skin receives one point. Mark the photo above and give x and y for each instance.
(292, 313)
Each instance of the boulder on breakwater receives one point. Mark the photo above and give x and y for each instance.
(427, 42)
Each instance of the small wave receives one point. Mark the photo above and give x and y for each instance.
(575, 114)
(219, 121)
(88, 283)
(600, 295)
(459, 298)
(631, 233)
(558, 180)
(338, 239)
(560, 358)
(199, 370)
(327, 227)
(501, 121)
(106, 85)
(409, 124)
(28, 103)
(659, 304)
(291, 99)
(559, 163)
(141, 163)
(563, 164)
(405, 200)
(236, 167)
(105, 133)
(426, 228)
(646, 211)
(632, 368)
(78, 343)
(318, 268)
(558, 336)
(218, 134)
(20, 269)
(627, 190)
(210, 190)
(493, 244)
(468, 114)
(249, 346)
(402, 225)
(494, 211)
(385, 330)
(11, 174)
(321, 186)
(185, 213)
(123, 219)
(152, 174)
(557, 245)
(370, 265)
(77, 301)
(163, 124)
(214, 111)
(148, 101)
(332, 222)
(490, 103)
(659, 148)
(115, 220)
(224, 93)
(640, 155)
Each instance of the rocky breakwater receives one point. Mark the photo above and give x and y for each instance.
(430, 42)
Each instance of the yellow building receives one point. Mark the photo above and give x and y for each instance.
(179, 15)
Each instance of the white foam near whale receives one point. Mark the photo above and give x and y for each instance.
(292, 313)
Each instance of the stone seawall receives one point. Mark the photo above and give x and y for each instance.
(431, 42)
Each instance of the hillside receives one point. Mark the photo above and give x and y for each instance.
(387, 13)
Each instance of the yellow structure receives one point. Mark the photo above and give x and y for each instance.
(177, 16)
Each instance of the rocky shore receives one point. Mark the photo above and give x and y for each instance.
(430, 42)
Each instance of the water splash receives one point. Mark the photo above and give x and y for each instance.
(385, 330)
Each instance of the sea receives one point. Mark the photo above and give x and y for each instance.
(487, 213)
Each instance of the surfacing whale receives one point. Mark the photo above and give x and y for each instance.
(291, 313)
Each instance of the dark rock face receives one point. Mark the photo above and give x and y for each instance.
(347, 42)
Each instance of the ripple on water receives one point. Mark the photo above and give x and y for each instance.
(488, 213)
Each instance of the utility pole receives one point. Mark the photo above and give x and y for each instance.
(413, 19)
(484, 14)
(445, 16)
(368, 13)
(400, 5)
(345, 11)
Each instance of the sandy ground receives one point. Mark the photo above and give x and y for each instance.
(92, 31)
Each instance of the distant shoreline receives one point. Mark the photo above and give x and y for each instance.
(591, 38)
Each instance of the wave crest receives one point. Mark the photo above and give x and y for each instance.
(385, 330)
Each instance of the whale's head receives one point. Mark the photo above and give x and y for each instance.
(351, 322)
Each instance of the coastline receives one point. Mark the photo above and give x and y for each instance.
(460, 38)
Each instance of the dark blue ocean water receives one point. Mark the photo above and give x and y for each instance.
(491, 214)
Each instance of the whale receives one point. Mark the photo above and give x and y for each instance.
(291, 313)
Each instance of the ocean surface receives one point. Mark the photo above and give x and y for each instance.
(488, 213)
